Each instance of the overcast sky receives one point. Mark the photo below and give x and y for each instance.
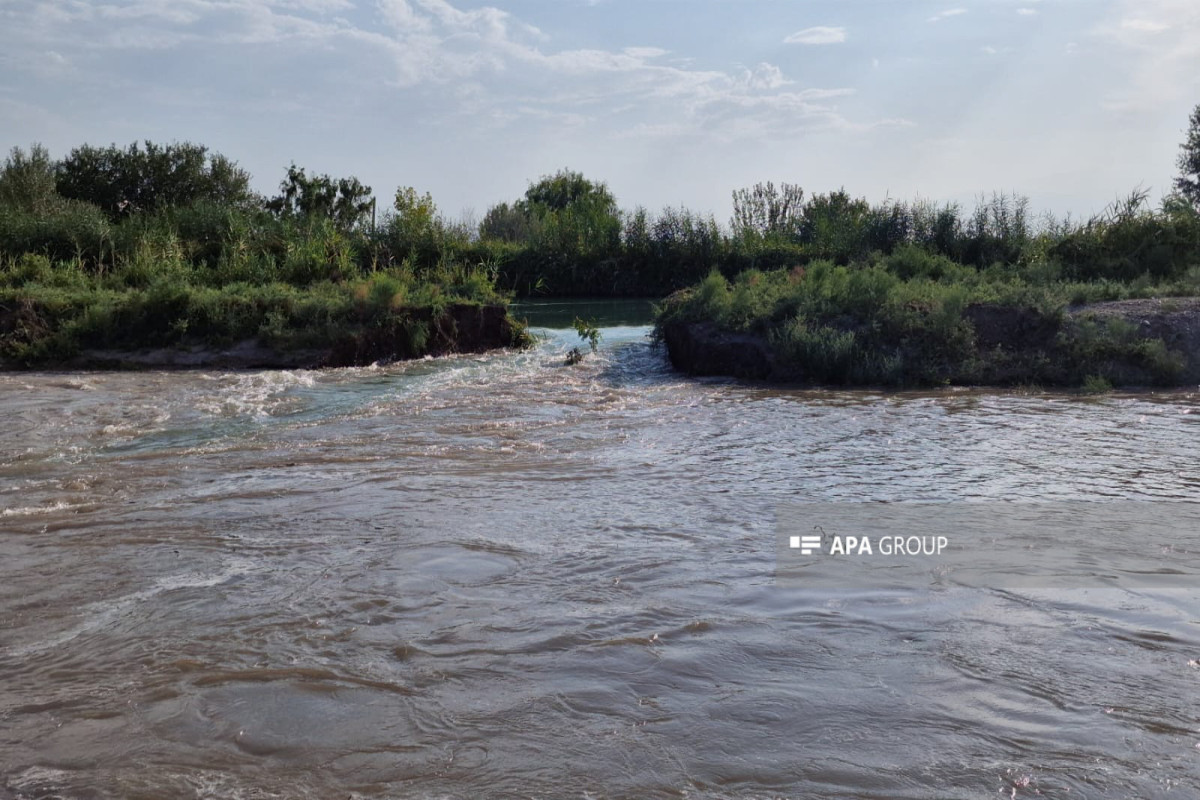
(671, 102)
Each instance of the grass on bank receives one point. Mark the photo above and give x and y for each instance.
(909, 319)
(50, 312)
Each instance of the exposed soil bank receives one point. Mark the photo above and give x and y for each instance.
(461, 328)
(1013, 346)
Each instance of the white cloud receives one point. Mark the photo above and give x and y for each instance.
(952, 12)
(316, 6)
(633, 77)
(1144, 25)
(1027, 12)
(818, 35)
(178, 14)
(400, 15)
(487, 64)
(765, 77)
(645, 52)
(489, 23)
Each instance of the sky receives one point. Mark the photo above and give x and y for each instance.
(670, 102)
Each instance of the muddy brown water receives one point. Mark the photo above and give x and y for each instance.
(496, 576)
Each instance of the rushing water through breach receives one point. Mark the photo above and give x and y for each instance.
(498, 576)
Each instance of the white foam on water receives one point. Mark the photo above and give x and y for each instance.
(39, 779)
(28, 511)
(137, 421)
(219, 786)
(255, 394)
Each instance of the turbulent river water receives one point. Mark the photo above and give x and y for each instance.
(499, 576)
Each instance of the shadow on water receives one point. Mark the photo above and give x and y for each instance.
(636, 362)
(605, 313)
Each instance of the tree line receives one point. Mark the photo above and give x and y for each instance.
(105, 208)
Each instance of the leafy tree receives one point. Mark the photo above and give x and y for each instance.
(686, 244)
(27, 180)
(416, 215)
(344, 201)
(566, 207)
(576, 217)
(1188, 182)
(567, 190)
(766, 210)
(570, 229)
(833, 226)
(414, 229)
(126, 180)
(506, 223)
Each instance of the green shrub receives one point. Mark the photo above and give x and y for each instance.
(819, 353)
(70, 230)
(241, 265)
(317, 251)
(1109, 347)
(711, 300)
(28, 268)
(910, 261)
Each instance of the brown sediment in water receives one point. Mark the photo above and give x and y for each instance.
(446, 579)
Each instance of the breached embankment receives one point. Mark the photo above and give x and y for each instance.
(1127, 342)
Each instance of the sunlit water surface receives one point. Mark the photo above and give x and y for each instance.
(498, 576)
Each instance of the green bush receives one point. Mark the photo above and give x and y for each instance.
(909, 261)
(819, 353)
(27, 181)
(28, 268)
(34, 268)
(1112, 347)
(70, 230)
(318, 251)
